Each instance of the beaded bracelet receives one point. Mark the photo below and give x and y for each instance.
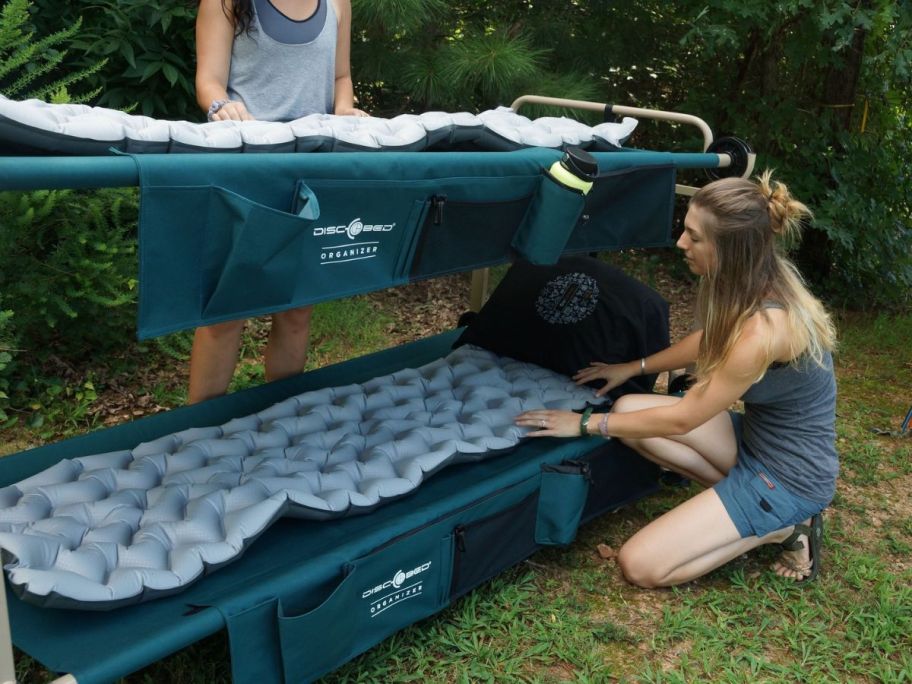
(643, 366)
(215, 107)
(603, 426)
(584, 422)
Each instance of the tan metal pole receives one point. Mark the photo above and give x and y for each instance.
(7, 663)
(622, 110)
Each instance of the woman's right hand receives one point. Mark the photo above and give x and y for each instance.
(232, 111)
(613, 374)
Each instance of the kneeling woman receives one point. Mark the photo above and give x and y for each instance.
(764, 339)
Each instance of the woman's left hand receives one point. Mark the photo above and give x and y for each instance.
(550, 423)
(351, 111)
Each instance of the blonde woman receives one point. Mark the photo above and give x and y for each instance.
(765, 339)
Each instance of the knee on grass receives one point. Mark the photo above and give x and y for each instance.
(638, 568)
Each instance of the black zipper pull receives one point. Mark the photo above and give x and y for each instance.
(584, 468)
(459, 534)
(437, 202)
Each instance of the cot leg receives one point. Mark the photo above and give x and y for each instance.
(686, 190)
(479, 292)
(7, 664)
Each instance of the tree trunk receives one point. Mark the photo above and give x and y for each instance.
(841, 83)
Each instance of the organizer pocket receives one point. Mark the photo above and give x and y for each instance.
(365, 235)
(564, 490)
(626, 208)
(253, 268)
(553, 213)
(378, 595)
(470, 223)
(485, 547)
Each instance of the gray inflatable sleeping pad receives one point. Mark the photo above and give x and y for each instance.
(102, 531)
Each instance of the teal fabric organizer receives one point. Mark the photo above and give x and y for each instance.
(268, 232)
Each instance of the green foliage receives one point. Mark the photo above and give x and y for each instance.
(31, 67)
(7, 349)
(419, 55)
(820, 90)
(67, 274)
(61, 257)
(867, 218)
(148, 46)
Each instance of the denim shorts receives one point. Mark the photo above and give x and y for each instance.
(755, 500)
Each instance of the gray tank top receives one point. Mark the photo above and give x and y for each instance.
(790, 426)
(284, 81)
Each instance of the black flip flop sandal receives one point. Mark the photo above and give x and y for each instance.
(814, 533)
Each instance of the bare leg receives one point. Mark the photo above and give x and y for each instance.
(687, 542)
(705, 454)
(213, 358)
(286, 351)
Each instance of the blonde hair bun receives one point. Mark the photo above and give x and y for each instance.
(786, 213)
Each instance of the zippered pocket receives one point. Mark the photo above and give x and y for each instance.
(487, 546)
(469, 227)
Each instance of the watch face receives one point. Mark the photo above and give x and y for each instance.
(567, 299)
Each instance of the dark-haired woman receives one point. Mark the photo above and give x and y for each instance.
(765, 339)
(273, 60)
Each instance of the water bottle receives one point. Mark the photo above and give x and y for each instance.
(576, 169)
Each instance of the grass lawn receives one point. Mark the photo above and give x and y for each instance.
(566, 615)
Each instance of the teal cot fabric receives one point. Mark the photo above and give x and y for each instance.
(231, 236)
(294, 568)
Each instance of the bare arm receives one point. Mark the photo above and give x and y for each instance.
(678, 355)
(344, 99)
(726, 384)
(214, 38)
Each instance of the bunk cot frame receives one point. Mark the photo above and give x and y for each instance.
(18, 173)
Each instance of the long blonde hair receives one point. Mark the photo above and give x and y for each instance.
(749, 223)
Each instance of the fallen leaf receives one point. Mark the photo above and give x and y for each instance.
(606, 551)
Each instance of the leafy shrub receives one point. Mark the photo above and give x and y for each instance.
(67, 265)
(147, 47)
(60, 257)
(31, 67)
(866, 214)
(7, 347)
(67, 276)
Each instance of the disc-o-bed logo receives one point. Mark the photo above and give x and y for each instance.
(402, 586)
(363, 241)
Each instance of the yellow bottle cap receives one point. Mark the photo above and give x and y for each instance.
(562, 175)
